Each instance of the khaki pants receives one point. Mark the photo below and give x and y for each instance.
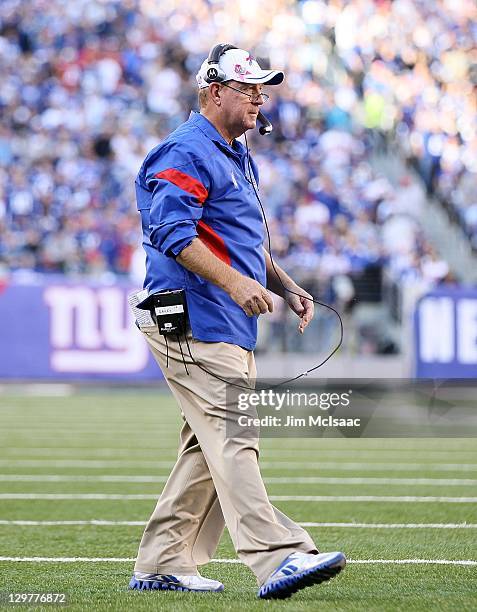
(215, 477)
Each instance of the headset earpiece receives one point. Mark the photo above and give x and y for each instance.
(214, 73)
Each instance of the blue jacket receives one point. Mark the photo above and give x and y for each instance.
(195, 184)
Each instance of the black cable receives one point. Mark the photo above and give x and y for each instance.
(313, 299)
(183, 358)
(167, 351)
(227, 382)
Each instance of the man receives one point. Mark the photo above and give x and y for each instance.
(203, 232)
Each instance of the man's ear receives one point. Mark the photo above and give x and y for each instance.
(214, 90)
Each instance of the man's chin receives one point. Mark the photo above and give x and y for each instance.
(248, 123)
(251, 122)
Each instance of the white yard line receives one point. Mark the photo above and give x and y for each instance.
(93, 522)
(170, 441)
(106, 523)
(81, 478)
(414, 561)
(373, 481)
(40, 389)
(300, 498)
(376, 466)
(86, 463)
(113, 451)
(271, 479)
(393, 525)
(131, 560)
(374, 498)
(278, 465)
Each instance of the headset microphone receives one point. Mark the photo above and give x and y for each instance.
(266, 126)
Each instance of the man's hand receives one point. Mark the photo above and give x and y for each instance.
(251, 296)
(301, 306)
(278, 281)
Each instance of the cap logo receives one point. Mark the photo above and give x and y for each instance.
(250, 59)
(241, 70)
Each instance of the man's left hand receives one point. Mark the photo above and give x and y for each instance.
(301, 305)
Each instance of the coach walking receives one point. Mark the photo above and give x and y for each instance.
(203, 232)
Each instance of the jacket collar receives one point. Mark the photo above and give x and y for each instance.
(211, 132)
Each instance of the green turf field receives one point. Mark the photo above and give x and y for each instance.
(117, 447)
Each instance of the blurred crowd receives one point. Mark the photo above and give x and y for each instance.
(415, 64)
(89, 87)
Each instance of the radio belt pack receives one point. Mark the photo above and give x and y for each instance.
(169, 311)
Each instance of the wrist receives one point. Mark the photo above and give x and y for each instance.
(288, 286)
(230, 280)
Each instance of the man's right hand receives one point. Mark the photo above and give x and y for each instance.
(251, 296)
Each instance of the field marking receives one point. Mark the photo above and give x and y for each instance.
(86, 463)
(49, 431)
(414, 561)
(270, 479)
(106, 523)
(301, 498)
(131, 560)
(364, 454)
(41, 389)
(45, 436)
(279, 465)
(372, 498)
(371, 481)
(110, 451)
(393, 525)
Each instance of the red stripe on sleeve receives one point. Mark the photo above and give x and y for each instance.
(185, 182)
(213, 241)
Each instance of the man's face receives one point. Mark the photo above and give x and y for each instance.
(239, 109)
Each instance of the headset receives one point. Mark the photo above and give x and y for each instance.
(215, 74)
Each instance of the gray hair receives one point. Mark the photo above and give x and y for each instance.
(203, 96)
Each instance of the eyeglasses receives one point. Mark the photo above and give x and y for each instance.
(253, 97)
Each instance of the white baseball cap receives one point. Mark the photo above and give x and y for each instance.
(240, 66)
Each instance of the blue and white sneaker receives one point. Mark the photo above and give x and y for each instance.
(300, 570)
(163, 582)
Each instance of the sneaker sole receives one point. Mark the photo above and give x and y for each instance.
(286, 587)
(156, 585)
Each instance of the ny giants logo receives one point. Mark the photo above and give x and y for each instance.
(92, 330)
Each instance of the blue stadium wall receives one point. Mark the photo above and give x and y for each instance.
(71, 331)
